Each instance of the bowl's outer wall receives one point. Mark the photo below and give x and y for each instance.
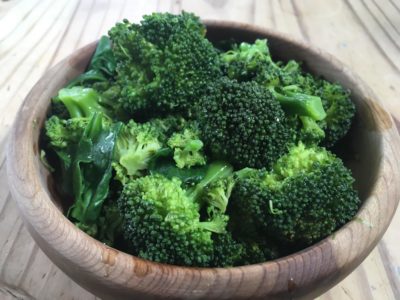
(112, 274)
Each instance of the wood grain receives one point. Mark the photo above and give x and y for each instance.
(37, 34)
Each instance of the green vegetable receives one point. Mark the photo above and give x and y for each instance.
(187, 148)
(162, 220)
(324, 109)
(306, 196)
(164, 64)
(101, 67)
(136, 144)
(91, 169)
(243, 124)
(80, 102)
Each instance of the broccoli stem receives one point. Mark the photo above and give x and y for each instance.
(80, 101)
(300, 104)
(312, 128)
(216, 225)
(215, 171)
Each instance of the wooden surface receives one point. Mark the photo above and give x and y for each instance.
(34, 35)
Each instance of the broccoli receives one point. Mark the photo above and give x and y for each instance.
(80, 102)
(218, 192)
(162, 220)
(227, 252)
(324, 109)
(187, 148)
(306, 196)
(242, 123)
(177, 152)
(135, 146)
(62, 133)
(164, 64)
(340, 111)
(108, 225)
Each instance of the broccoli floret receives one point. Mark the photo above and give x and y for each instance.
(226, 251)
(168, 125)
(306, 196)
(340, 111)
(136, 144)
(164, 64)
(217, 194)
(310, 132)
(62, 133)
(188, 148)
(242, 123)
(247, 61)
(162, 221)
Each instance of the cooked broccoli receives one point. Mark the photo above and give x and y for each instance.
(339, 109)
(242, 123)
(188, 148)
(162, 220)
(227, 252)
(80, 102)
(136, 144)
(170, 124)
(325, 109)
(173, 150)
(164, 64)
(218, 192)
(62, 133)
(306, 196)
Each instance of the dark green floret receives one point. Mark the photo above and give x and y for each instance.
(242, 123)
(339, 109)
(306, 196)
(164, 64)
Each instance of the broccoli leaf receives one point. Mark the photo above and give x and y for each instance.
(103, 58)
(91, 169)
(162, 163)
(101, 67)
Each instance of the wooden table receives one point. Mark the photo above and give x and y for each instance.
(34, 35)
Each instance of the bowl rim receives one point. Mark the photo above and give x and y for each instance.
(272, 269)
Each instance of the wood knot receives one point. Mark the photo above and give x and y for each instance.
(108, 256)
(140, 268)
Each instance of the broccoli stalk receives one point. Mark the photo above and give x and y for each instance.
(80, 102)
(295, 103)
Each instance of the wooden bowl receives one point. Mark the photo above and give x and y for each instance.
(109, 273)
